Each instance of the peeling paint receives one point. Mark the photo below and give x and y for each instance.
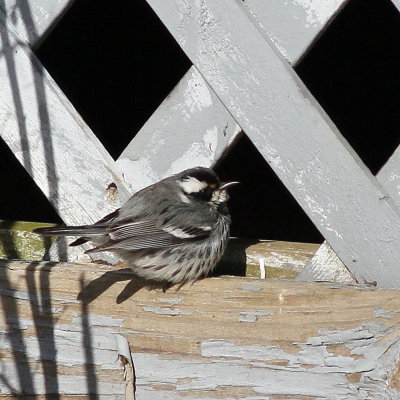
(197, 96)
(318, 12)
(252, 316)
(71, 384)
(99, 320)
(167, 311)
(250, 288)
(189, 375)
(173, 301)
(382, 313)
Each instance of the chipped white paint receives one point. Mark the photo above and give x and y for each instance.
(173, 301)
(345, 337)
(191, 127)
(281, 117)
(252, 316)
(167, 311)
(252, 366)
(249, 288)
(71, 384)
(318, 12)
(325, 266)
(381, 312)
(99, 320)
(293, 25)
(197, 97)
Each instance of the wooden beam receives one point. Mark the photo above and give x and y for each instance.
(292, 132)
(61, 327)
(244, 257)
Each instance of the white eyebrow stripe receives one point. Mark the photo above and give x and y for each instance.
(191, 185)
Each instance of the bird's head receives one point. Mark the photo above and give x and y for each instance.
(202, 184)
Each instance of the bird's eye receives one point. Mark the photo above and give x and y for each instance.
(203, 194)
(213, 185)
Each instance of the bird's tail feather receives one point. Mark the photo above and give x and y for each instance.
(86, 230)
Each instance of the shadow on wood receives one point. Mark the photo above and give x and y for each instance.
(226, 337)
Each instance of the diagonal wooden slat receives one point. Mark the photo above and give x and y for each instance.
(192, 127)
(396, 3)
(294, 25)
(33, 19)
(49, 138)
(292, 132)
(325, 265)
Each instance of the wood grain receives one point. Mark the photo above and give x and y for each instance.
(231, 338)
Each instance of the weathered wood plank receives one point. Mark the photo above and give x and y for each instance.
(292, 132)
(266, 258)
(220, 338)
(249, 257)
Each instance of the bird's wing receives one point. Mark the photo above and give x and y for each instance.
(144, 234)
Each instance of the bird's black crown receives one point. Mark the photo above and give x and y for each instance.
(203, 175)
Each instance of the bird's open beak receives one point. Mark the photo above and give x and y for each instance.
(226, 185)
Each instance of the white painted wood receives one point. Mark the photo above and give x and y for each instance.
(325, 265)
(389, 176)
(32, 19)
(50, 139)
(292, 132)
(396, 3)
(293, 25)
(192, 127)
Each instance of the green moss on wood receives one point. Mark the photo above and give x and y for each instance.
(17, 242)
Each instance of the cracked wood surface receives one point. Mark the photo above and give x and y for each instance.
(227, 337)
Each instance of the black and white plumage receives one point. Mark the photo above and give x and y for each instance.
(172, 232)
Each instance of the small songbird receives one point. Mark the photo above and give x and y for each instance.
(171, 232)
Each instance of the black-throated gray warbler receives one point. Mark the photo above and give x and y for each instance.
(172, 232)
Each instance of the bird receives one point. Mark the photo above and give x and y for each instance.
(171, 232)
